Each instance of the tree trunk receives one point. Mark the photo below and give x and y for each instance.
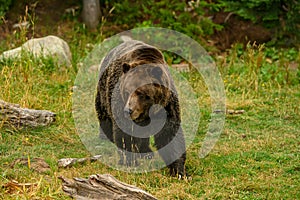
(13, 115)
(91, 13)
(103, 187)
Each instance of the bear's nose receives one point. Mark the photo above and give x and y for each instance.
(127, 112)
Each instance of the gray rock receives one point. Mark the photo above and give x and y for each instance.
(49, 46)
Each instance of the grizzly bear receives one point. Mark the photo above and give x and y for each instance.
(136, 91)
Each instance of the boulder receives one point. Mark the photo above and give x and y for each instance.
(49, 46)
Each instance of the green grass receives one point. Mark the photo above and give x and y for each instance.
(256, 157)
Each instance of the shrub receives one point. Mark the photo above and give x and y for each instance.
(4, 6)
(279, 15)
(188, 18)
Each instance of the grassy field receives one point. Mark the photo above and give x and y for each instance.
(256, 157)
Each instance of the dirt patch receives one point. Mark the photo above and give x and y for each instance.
(238, 30)
(46, 15)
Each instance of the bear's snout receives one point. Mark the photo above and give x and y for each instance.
(127, 112)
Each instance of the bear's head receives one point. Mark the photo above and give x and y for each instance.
(142, 87)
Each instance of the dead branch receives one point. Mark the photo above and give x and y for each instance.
(69, 162)
(235, 112)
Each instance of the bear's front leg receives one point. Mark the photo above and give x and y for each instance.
(142, 147)
(105, 131)
(126, 147)
(130, 150)
(118, 140)
(170, 143)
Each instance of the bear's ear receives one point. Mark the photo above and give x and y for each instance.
(156, 72)
(126, 67)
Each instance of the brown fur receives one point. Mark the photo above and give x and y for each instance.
(120, 75)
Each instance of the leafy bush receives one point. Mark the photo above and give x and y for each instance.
(188, 18)
(4, 6)
(280, 15)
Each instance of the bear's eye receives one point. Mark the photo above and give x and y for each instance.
(147, 97)
(142, 95)
(138, 93)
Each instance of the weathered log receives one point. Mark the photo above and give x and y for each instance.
(14, 115)
(103, 187)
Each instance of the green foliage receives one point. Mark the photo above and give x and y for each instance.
(4, 6)
(177, 15)
(280, 15)
(259, 68)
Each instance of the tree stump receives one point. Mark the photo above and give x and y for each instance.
(103, 187)
(14, 115)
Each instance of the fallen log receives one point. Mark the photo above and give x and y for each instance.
(102, 187)
(14, 115)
